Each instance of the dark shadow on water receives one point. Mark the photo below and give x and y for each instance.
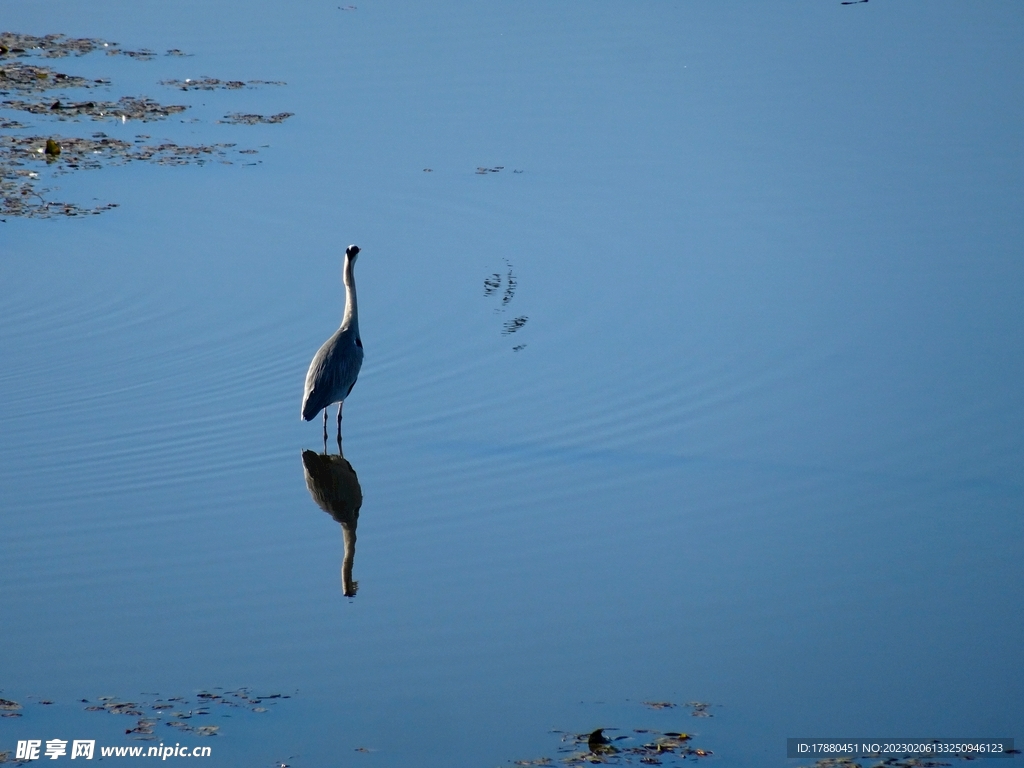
(335, 488)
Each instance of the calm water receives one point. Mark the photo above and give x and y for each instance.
(763, 447)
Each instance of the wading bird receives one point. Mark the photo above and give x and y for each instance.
(334, 369)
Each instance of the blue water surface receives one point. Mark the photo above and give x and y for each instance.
(760, 447)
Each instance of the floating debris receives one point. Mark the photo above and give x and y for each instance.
(50, 46)
(144, 53)
(658, 704)
(237, 118)
(207, 730)
(20, 190)
(21, 195)
(125, 108)
(27, 77)
(669, 748)
(496, 169)
(143, 728)
(8, 705)
(700, 709)
(213, 84)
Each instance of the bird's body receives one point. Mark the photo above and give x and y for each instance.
(335, 367)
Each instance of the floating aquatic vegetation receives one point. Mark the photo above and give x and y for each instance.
(640, 747)
(125, 108)
(143, 728)
(50, 46)
(16, 76)
(213, 84)
(237, 118)
(496, 169)
(59, 46)
(182, 720)
(8, 705)
(658, 704)
(700, 709)
(892, 762)
(21, 193)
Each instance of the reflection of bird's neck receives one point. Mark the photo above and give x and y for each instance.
(351, 316)
(348, 586)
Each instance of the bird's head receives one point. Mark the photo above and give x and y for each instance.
(352, 251)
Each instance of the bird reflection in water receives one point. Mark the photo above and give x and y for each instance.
(334, 486)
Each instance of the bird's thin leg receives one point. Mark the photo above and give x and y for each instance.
(325, 430)
(339, 429)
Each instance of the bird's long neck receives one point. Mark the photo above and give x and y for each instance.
(351, 317)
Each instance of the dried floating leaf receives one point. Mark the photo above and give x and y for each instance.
(237, 118)
(207, 730)
(7, 704)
